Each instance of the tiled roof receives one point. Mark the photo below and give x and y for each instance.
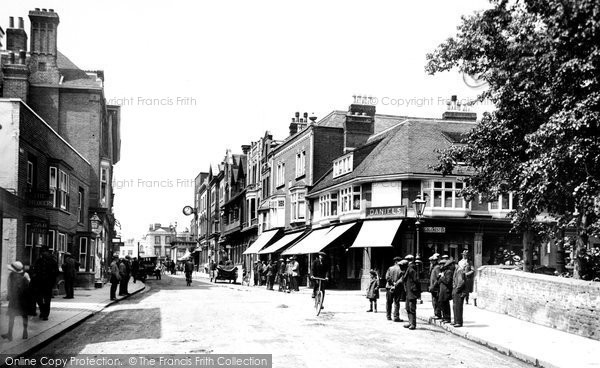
(73, 76)
(407, 148)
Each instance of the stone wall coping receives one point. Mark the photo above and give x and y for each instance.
(536, 276)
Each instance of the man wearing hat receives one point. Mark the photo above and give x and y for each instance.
(434, 285)
(320, 269)
(18, 298)
(445, 283)
(115, 277)
(469, 273)
(459, 290)
(44, 273)
(394, 291)
(412, 287)
(281, 274)
(69, 268)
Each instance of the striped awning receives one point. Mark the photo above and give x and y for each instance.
(306, 245)
(281, 243)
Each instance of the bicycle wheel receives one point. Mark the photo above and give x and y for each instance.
(319, 302)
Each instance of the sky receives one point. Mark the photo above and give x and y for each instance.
(195, 78)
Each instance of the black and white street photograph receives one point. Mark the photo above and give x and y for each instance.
(300, 184)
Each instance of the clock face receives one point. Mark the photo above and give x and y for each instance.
(188, 210)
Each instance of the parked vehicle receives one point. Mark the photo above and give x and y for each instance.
(227, 273)
(146, 267)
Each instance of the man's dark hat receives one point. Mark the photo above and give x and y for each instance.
(321, 253)
(397, 259)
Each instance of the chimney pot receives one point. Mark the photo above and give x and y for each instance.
(21, 23)
(37, 9)
(293, 120)
(44, 9)
(297, 114)
(305, 115)
(11, 22)
(52, 10)
(453, 98)
(11, 57)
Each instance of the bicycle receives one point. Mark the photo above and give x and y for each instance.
(320, 296)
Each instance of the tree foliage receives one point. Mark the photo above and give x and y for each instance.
(541, 59)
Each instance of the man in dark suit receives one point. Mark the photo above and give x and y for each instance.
(69, 268)
(393, 290)
(45, 271)
(412, 287)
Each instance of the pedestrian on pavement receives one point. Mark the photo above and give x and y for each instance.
(394, 291)
(459, 289)
(124, 278)
(159, 270)
(18, 298)
(445, 281)
(320, 269)
(410, 279)
(469, 274)
(213, 270)
(434, 285)
(188, 268)
(69, 268)
(263, 273)
(288, 274)
(295, 268)
(270, 275)
(281, 275)
(44, 273)
(257, 270)
(135, 268)
(373, 292)
(115, 277)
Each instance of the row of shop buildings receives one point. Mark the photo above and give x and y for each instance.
(346, 184)
(59, 141)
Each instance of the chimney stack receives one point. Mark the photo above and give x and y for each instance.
(16, 76)
(16, 38)
(43, 32)
(454, 111)
(245, 148)
(359, 125)
(21, 23)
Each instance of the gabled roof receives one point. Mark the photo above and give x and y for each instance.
(407, 148)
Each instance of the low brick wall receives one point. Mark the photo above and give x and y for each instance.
(565, 304)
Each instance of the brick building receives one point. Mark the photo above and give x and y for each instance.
(68, 105)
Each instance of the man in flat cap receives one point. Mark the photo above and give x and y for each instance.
(434, 285)
(393, 290)
(412, 287)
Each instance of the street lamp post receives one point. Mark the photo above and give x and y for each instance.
(96, 226)
(419, 205)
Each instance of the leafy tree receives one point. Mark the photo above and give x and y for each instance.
(541, 60)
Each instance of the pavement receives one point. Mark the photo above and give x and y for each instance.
(534, 344)
(65, 314)
(531, 343)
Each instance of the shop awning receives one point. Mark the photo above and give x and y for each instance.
(261, 242)
(376, 234)
(305, 245)
(279, 244)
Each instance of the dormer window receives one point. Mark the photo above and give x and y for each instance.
(343, 165)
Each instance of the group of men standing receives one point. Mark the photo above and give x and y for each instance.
(450, 280)
(120, 272)
(402, 283)
(285, 272)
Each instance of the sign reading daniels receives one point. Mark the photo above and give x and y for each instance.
(393, 211)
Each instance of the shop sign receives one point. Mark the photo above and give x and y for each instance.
(39, 199)
(392, 211)
(39, 227)
(434, 229)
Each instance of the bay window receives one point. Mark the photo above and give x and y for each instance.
(443, 194)
(298, 205)
(505, 202)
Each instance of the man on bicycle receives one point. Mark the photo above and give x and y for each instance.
(320, 269)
